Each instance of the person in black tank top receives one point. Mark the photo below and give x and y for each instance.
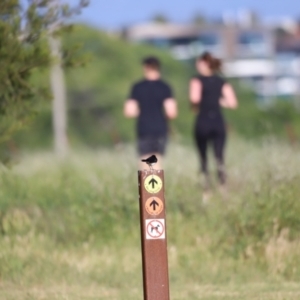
(209, 92)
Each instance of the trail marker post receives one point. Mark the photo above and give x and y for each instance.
(153, 235)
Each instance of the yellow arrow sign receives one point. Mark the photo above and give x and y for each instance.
(153, 184)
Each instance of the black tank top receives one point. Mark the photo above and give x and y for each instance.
(150, 95)
(211, 94)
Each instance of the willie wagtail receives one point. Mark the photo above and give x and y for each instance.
(150, 161)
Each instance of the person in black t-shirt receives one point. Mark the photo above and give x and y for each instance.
(208, 93)
(151, 102)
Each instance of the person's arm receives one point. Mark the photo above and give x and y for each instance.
(131, 109)
(195, 91)
(131, 106)
(229, 99)
(170, 106)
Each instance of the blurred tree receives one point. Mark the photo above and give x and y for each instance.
(57, 14)
(280, 32)
(160, 18)
(24, 28)
(199, 19)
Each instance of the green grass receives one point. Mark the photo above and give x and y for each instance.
(70, 230)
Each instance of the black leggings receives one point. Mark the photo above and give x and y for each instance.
(211, 131)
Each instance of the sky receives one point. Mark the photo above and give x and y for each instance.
(113, 14)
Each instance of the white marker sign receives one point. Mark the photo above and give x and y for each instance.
(155, 229)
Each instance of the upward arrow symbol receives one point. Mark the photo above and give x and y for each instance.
(154, 204)
(153, 182)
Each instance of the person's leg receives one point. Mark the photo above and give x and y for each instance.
(202, 150)
(219, 141)
(202, 143)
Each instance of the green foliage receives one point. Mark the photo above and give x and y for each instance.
(98, 89)
(280, 119)
(24, 52)
(18, 58)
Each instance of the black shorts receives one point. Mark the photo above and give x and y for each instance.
(149, 145)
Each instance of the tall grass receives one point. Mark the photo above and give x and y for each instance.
(70, 230)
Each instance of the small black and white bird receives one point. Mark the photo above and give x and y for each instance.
(150, 161)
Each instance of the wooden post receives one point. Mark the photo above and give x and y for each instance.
(153, 235)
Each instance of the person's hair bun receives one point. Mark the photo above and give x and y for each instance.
(214, 63)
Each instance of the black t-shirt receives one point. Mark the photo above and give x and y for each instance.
(150, 96)
(211, 94)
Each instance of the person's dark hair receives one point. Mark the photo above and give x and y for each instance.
(152, 62)
(214, 63)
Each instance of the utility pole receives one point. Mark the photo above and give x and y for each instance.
(59, 105)
(57, 15)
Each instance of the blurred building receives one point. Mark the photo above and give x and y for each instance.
(251, 51)
(188, 41)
